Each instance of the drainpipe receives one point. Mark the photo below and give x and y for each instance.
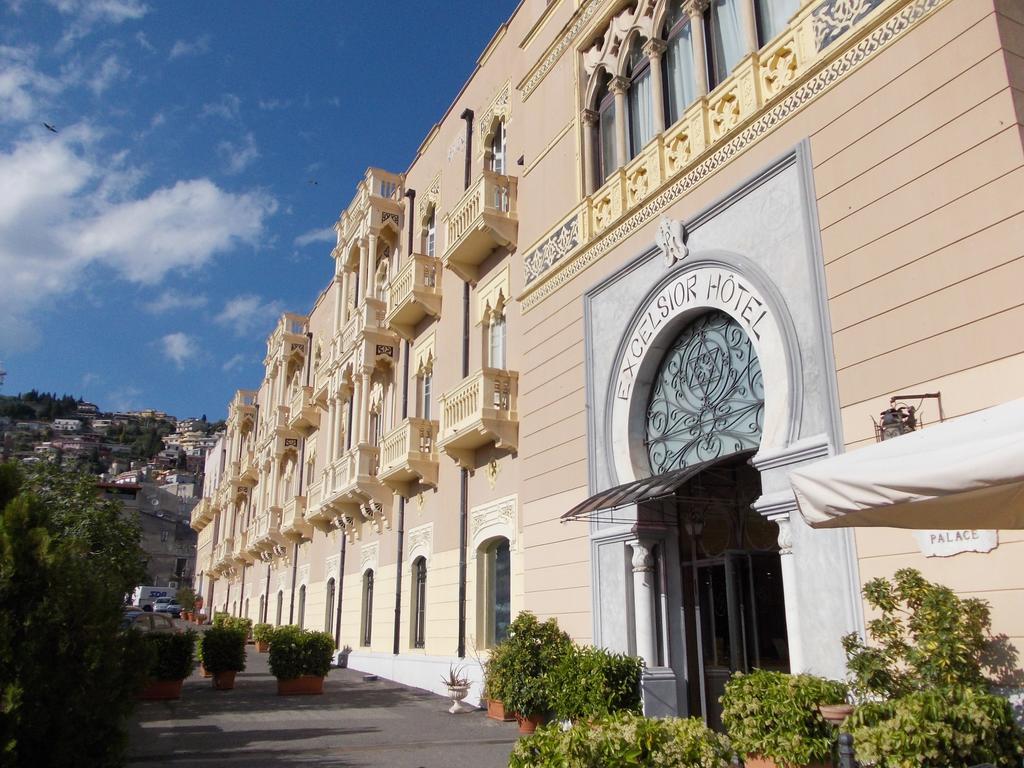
(295, 570)
(405, 380)
(411, 195)
(266, 597)
(467, 115)
(241, 594)
(465, 330)
(463, 535)
(341, 591)
(398, 574)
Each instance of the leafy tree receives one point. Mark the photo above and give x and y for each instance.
(67, 674)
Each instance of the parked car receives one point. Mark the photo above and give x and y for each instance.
(167, 605)
(147, 621)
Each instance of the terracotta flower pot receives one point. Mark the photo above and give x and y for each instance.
(161, 690)
(204, 671)
(496, 711)
(529, 723)
(835, 713)
(300, 686)
(262, 647)
(224, 681)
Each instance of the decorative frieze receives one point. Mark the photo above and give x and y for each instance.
(833, 18)
(563, 241)
(608, 231)
(586, 12)
(497, 518)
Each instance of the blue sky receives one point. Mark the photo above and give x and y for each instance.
(203, 152)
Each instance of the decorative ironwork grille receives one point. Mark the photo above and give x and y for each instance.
(708, 397)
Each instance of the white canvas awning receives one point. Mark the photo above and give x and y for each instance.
(964, 473)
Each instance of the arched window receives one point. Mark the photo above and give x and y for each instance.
(638, 98)
(604, 104)
(280, 607)
(262, 616)
(366, 633)
(496, 336)
(425, 386)
(708, 396)
(302, 606)
(677, 72)
(496, 592)
(725, 27)
(496, 154)
(329, 610)
(430, 233)
(419, 602)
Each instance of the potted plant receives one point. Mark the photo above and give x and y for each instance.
(186, 598)
(343, 656)
(261, 635)
(300, 660)
(495, 668)
(923, 682)
(772, 718)
(458, 688)
(199, 657)
(588, 683)
(534, 649)
(223, 650)
(170, 661)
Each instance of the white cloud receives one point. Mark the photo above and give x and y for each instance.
(179, 348)
(143, 41)
(197, 47)
(124, 398)
(110, 70)
(171, 300)
(225, 108)
(325, 235)
(157, 120)
(236, 361)
(269, 105)
(21, 85)
(66, 210)
(89, 378)
(247, 313)
(86, 14)
(240, 156)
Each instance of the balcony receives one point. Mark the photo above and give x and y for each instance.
(480, 411)
(250, 543)
(267, 531)
(285, 438)
(242, 407)
(352, 488)
(222, 555)
(316, 514)
(248, 469)
(415, 293)
(288, 339)
(240, 553)
(408, 455)
(202, 513)
(484, 219)
(303, 413)
(293, 521)
(368, 328)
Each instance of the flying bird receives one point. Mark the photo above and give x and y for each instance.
(313, 183)
(49, 128)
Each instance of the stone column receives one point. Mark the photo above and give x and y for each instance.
(618, 86)
(345, 288)
(643, 601)
(654, 49)
(749, 26)
(332, 407)
(590, 123)
(364, 407)
(696, 8)
(788, 563)
(363, 259)
(371, 267)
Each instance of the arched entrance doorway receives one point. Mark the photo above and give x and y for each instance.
(706, 408)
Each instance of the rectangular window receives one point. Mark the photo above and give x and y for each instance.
(641, 115)
(726, 28)
(773, 16)
(680, 90)
(431, 235)
(497, 343)
(425, 386)
(607, 137)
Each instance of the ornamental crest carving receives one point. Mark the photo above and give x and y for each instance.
(671, 238)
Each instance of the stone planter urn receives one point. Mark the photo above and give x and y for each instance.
(457, 693)
(835, 713)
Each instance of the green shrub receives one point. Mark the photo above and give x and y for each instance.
(261, 633)
(171, 656)
(590, 682)
(68, 674)
(223, 649)
(221, 618)
(295, 652)
(925, 637)
(624, 740)
(942, 728)
(186, 598)
(531, 652)
(776, 715)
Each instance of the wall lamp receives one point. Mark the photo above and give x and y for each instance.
(900, 418)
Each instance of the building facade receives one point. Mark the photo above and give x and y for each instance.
(700, 241)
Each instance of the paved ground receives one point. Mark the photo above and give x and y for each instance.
(354, 723)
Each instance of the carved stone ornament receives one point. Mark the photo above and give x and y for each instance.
(642, 561)
(671, 238)
(785, 537)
